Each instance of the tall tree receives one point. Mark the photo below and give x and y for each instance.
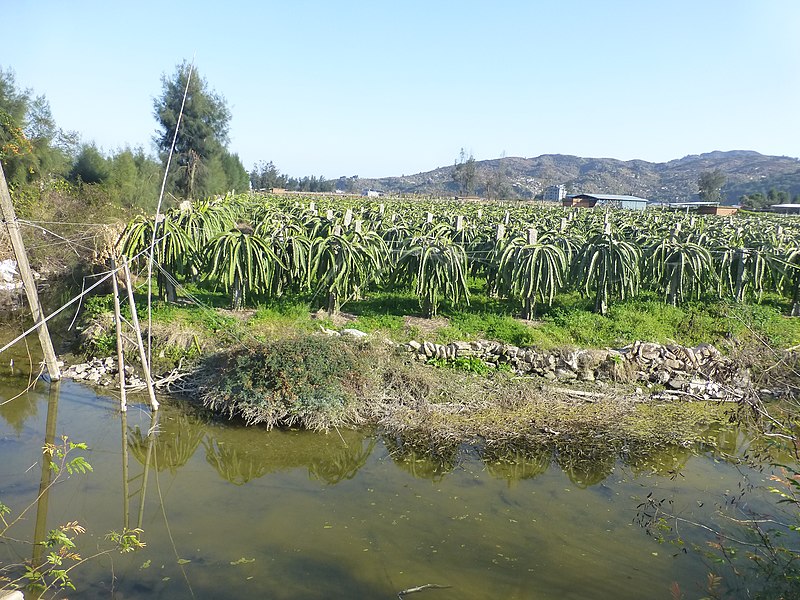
(31, 146)
(265, 176)
(710, 185)
(464, 173)
(203, 133)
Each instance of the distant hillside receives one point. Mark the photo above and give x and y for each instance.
(746, 171)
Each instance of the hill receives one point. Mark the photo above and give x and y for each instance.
(746, 171)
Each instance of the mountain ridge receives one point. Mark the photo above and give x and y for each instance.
(746, 172)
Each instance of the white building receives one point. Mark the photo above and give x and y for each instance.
(555, 193)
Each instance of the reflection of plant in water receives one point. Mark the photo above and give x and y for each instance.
(15, 412)
(586, 464)
(237, 464)
(422, 461)
(752, 553)
(178, 436)
(667, 461)
(342, 464)
(242, 454)
(519, 465)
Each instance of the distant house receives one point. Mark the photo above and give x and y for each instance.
(786, 209)
(555, 193)
(704, 208)
(369, 193)
(601, 200)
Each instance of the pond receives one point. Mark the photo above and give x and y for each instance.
(233, 512)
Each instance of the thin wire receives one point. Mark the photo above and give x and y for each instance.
(63, 307)
(68, 223)
(158, 212)
(31, 384)
(53, 233)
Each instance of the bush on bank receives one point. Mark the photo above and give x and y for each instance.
(313, 381)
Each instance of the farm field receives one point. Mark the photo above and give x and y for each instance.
(387, 259)
(246, 280)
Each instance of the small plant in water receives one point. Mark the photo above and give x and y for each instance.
(50, 573)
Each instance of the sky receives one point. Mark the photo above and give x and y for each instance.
(383, 88)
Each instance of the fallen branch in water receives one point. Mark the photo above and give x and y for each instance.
(422, 588)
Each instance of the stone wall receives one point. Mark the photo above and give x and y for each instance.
(701, 372)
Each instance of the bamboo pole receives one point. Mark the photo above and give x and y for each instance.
(142, 354)
(123, 396)
(10, 218)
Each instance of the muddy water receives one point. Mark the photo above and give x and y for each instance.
(234, 512)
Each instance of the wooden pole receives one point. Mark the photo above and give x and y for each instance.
(10, 218)
(123, 396)
(142, 354)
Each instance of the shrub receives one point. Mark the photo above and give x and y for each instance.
(312, 381)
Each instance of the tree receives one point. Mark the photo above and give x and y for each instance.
(532, 270)
(778, 197)
(226, 173)
(203, 133)
(754, 201)
(710, 184)
(90, 166)
(464, 173)
(265, 176)
(436, 267)
(31, 146)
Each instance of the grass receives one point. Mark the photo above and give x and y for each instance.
(187, 332)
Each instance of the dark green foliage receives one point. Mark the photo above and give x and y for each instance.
(90, 166)
(31, 146)
(203, 133)
(310, 381)
(710, 184)
(468, 364)
(464, 173)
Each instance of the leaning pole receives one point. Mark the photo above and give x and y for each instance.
(28, 282)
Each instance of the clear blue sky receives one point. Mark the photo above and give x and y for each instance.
(389, 88)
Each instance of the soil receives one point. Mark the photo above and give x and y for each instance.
(426, 327)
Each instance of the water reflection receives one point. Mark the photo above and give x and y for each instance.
(517, 466)
(666, 461)
(586, 463)
(422, 461)
(239, 455)
(175, 440)
(45, 481)
(16, 411)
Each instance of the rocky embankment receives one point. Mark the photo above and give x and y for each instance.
(667, 372)
(102, 372)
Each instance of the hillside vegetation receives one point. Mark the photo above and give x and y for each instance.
(746, 172)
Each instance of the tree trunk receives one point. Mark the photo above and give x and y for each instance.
(237, 295)
(172, 292)
(740, 275)
(332, 303)
(527, 309)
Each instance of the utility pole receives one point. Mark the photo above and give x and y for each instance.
(10, 218)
